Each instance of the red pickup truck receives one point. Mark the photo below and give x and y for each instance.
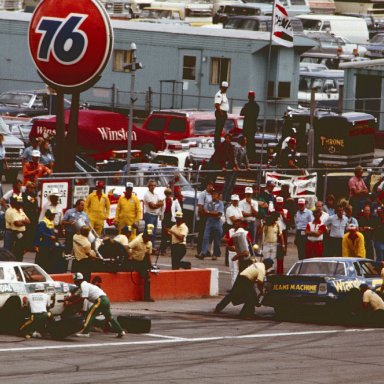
(101, 132)
(181, 124)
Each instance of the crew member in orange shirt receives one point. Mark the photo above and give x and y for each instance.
(33, 170)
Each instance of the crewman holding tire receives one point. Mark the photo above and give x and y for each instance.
(97, 207)
(39, 303)
(100, 305)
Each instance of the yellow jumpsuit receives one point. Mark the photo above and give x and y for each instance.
(354, 248)
(128, 212)
(97, 209)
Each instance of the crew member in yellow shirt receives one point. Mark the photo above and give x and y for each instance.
(373, 305)
(353, 243)
(128, 210)
(97, 207)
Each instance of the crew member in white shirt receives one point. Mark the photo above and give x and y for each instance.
(101, 305)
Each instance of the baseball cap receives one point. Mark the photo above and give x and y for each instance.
(235, 197)
(351, 227)
(179, 215)
(100, 184)
(224, 84)
(301, 201)
(248, 190)
(270, 182)
(279, 199)
(78, 276)
(36, 153)
(251, 93)
(129, 185)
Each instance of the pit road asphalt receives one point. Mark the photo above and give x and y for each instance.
(188, 343)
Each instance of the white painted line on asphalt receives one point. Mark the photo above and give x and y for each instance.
(165, 337)
(180, 340)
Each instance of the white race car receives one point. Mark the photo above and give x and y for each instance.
(17, 280)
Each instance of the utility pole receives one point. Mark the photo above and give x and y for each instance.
(132, 67)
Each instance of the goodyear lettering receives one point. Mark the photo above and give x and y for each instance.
(345, 286)
(295, 287)
(5, 288)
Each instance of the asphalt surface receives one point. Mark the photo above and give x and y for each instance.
(188, 343)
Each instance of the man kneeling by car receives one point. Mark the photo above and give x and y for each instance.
(243, 290)
(373, 305)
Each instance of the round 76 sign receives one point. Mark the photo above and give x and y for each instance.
(70, 42)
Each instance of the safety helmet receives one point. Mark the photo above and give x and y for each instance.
(78, 276)
(39, 287)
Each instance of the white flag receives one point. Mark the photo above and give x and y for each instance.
(282, 31)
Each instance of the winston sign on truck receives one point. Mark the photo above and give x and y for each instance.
(100, 132)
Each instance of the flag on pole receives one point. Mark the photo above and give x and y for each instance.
(282, 31)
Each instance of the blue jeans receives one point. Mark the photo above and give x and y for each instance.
(230, 180)
(214, 226)
(151, 219)
(379, 248)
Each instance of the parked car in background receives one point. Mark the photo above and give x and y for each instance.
(226, 11)
(375, 47)
(312, 67)
(180, 124)
(331, 43)
(259, 23)
(352, 28)
(19, 127)
(374, 25)
(14, 148)
(293, 7)
(28, 103)
(155, 13)
(326, 83)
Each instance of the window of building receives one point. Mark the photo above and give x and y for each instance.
(220, 70)
(284, 89)
(121, 58)
(189, 67)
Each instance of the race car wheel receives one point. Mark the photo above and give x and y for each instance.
(11, 316)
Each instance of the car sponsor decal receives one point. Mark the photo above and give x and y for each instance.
(309, 288)
(344, 286)
(5, 288)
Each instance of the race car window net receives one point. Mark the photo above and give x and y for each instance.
(371, 269)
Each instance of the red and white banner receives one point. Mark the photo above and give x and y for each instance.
(299, 186)
(282, 31)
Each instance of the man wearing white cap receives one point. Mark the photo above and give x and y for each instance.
(250, 210)
(34, 170)
(53, 204)
(233, 212)
(353, 243)
(128, 210)
(302, 217)
(221, 111)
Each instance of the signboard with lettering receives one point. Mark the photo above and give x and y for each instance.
(80, 192)
(63, 188)
(70, 42)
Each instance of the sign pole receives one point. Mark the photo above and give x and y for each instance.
(265, 102)
(60, 134)
(72, 133)
(131, 103)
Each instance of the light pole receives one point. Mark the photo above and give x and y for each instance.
(132, 66)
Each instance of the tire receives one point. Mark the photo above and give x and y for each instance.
(135, 324)
(11, 317)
